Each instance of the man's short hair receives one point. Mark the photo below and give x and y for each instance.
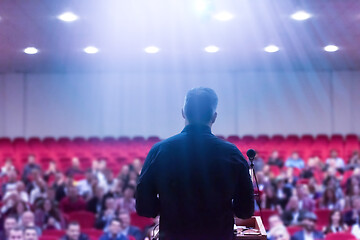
(30, 228)
(74, 223)
(115, 220)
(200, 105)
(16, 229)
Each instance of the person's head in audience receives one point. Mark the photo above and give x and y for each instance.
(293, 204)
(302, 190)
(274, 221)
(51, 193)
(280, 233)
(20, 186)
(8, 163)
(129, 192)
(110, 203)
(329, 196)
(309, 222)
(52, 166)
(115, 227)
(125, 219)
(10, 222)
(137, 165)
(73, 193)
(109, 175)
(274, 154)
(16, 234)
(99, 192)
(12, 176)
(31, 159)
(200, 106)
(30, 233)
(28, 219)
(75, 163)
(295, 155)
(102, 164)
(356, 203)
(125, 170)
(47, 206)
(336, 218)
(333, 154)
(95, 165)
(89, 175)
(133, 175)
(73, 231)
(20, 208)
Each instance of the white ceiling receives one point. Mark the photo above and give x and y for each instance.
(121, 29)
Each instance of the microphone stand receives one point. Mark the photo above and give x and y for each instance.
(253, 176)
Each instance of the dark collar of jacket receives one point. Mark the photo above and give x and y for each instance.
(197, 128)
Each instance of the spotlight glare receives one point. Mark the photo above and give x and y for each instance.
(68, 17)
(301, 16)
(31, 50)
(91, 50)
(223, 16)
(151, 49)
(271, 49)
(201, 5)
(331, 48)
(211, 49)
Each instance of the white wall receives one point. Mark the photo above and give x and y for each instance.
(150, 104)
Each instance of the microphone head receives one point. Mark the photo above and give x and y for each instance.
(251, 153)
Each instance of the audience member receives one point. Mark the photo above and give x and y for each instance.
(47, 216)
(95, 204)
(73, 202)
(275, 160)
(85, 186)
(30, 233)
(10, 222)
(309, 232)
(127, 203)
(109, 213)
(335, 161)
(127, 229)
(16, 234)
(29, 167)
(352, 216)
(329, 200)
(73, 232)
(279, 233)
(292, 214)
(28, 220)
(336, 223)
(305, 201)
(75, 168)
(354, 161)
(8, 166)
(114, 232)
(294, 161)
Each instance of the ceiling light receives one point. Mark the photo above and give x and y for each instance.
(301, 16)
(91, 50)
(271, 49)
(211, 49)
(201, 5)
(151, 49)
(31, 50)
(331, 48)
(223, 16)
(68, 17)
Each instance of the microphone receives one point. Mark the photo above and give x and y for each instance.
(251, 154)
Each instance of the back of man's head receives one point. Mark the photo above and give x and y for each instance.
(200, 105)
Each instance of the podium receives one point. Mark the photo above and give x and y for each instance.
(255, 223)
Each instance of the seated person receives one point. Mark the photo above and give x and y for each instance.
(309, 232)
(28, 220)
(335, 161)
(274, 223)
(95, 204)
(85, 186)
(47, 216)
(16, 234)
(354, 160)
(294, 161)
(275, 159)
(279, 233)
(352, 216)
(292, 214)
(127, 202)
(75, 168)
(73, 202)
(9, 223)
(114, 231)
(127, 229)
(29, 167)
(73, 232)
(30, 233)
(109, 213)
(336, 223)
(8, 166)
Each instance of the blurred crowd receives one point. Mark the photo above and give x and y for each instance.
(296, 189)
(35, 199)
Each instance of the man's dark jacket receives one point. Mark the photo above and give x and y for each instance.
(196, 182)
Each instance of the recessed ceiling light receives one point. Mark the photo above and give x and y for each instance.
(331, 48)
(151, 49)
(301, 16)
(91, 50)
(31, 50)
(223, 16)
(211, 49)
(68, 17)
(271, 49)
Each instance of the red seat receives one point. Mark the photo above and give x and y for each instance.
(323, 216)
(266, 214)
(293, 229)
(342, 236)
(141, 222)
(85, 219)
(53, 233)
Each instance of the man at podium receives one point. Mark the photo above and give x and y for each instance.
(195, 181)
